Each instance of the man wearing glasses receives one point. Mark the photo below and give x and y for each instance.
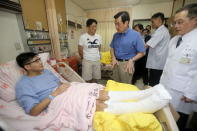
(36, 89)
(180, 71)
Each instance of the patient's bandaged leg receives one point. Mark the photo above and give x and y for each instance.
(147, 101)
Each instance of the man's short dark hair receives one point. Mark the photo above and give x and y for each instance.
(90, 22)
(140, 26)
(158, 15)
(124, 16)
(191, 8)
(23, 58)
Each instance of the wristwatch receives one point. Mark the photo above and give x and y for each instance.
(51, 97)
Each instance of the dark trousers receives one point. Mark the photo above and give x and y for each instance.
(140, 70)
(181, 123)
(145, 76)
(154, 77)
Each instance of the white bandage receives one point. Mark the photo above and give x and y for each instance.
(147, 101)
(128, 95)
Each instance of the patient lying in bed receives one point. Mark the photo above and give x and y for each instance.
(38, 91)
(35, 90)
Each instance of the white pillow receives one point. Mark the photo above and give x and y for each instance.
(48, 63)
(9, 75)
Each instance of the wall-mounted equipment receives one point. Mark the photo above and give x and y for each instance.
(38, 41)
(10, 6)
(74, 24)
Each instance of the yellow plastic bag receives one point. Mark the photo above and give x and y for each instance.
(106, 57)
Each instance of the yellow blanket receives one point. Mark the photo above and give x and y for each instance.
(104, 121)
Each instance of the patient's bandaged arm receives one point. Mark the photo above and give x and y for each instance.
(146, 101)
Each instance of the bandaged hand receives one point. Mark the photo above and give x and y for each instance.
(63, 87)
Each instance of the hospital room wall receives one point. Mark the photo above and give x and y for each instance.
(12, 36)
(11, 42)
(145, 11)
(190, 1)
(77, 15)
(106, 26)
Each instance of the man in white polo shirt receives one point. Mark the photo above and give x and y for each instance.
(158, 48)
(89, 50)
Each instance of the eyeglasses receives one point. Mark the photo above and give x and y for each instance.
(118, 24)
(178, 23)
(35, 61)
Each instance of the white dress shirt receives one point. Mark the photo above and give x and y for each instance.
(158, 48)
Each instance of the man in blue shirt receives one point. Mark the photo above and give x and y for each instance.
(36, 89)
(127, 47)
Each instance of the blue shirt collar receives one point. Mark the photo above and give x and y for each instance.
(125, 32)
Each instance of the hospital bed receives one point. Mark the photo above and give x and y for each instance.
(14, 119)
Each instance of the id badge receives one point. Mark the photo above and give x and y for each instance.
(185, 60)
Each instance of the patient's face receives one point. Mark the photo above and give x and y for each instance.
(35, 65)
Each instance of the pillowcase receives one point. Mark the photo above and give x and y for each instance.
(9, 75)
(50, 64)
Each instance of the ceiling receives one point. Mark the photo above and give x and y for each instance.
(100, 4)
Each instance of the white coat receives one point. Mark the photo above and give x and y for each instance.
(180, 71)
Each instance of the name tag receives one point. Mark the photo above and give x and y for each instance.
(185, 60)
